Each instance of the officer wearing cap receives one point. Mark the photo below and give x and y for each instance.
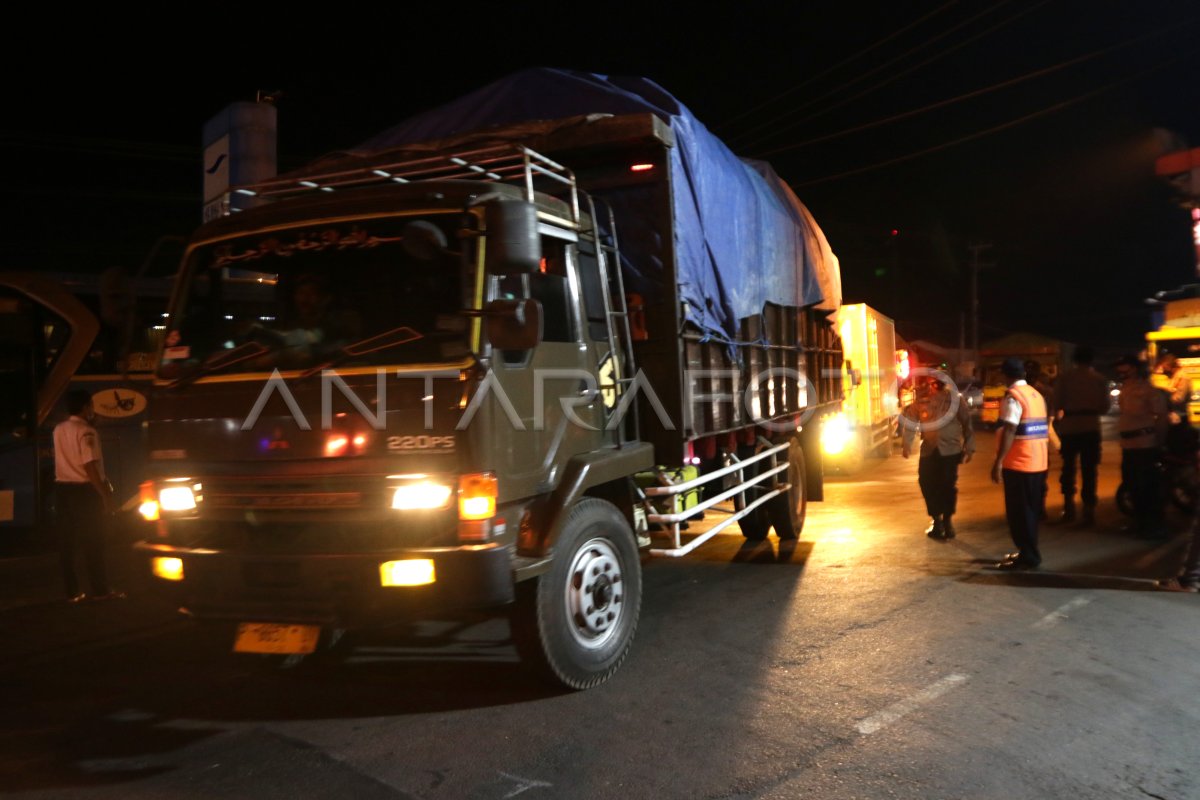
(84, 498)
(1022, 459)
(1142, 429)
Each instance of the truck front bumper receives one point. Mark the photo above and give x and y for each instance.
(340, 590)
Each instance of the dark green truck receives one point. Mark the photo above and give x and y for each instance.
(421, 380)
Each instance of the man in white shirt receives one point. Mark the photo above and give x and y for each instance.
(83, 498)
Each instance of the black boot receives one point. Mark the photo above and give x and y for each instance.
(1068, 513)
(947, 527)
(1089, 517)
(934, 531)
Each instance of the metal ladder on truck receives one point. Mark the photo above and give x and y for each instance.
(616, 317)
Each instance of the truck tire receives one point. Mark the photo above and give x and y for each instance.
(787, 511)
(576, 622)
(757, 524)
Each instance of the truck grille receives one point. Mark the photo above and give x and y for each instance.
(266, 500)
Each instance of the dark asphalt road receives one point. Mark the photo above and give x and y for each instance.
(870, 662)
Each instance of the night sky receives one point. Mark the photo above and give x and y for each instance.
(1054, 168)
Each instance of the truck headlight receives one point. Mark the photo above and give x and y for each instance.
(835, 434)
(421, 495)
(176, 498)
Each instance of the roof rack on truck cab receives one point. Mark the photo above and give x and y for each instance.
(507, 163)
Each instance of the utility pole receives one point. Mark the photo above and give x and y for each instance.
(962, 344)
(976, 265)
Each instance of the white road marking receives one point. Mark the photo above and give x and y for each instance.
(1059, 614)
(524, 785)
(897, 711)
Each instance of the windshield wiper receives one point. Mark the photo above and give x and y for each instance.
(227, 358)
(383, 341)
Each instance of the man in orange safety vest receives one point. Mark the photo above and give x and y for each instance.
(1022, 459)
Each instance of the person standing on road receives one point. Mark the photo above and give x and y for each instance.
(1022, 459)
(1169, 376)
(1035, 376)
(83, 498)
(1142, 428)
(1080, 397)
(940, 415)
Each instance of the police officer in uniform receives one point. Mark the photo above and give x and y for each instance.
(1170, 377)
(84, 498)
(940, 415)
(1080, 397)
(1142, 429)
(1022, 459)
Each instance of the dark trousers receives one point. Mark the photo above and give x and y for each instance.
(1191, 563)
(937, 475)
(1023, 494)
(81, 525)
(1141, 476)
(1084, 447)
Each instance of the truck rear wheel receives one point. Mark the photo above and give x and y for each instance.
(577, 621)
(787, 511)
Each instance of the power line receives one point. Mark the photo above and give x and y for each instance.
(853, 57)
(935, 57)
(846, 84)
(995, 129)
(979, 92)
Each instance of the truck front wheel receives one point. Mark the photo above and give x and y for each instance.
(788, 510)
(577, 621)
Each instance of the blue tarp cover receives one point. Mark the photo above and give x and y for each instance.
(741, 237)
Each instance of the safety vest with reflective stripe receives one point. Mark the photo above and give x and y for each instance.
(1030, 447)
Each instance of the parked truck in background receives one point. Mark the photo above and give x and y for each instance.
(516, 308)
(1052, 355)
(866, 423)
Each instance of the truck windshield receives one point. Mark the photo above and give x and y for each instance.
(304, 295)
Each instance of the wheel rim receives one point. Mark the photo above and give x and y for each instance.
(595, 594)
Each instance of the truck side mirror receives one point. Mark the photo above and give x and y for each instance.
(514, 324)
(513, 243)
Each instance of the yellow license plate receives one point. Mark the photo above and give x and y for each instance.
(263, 637)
